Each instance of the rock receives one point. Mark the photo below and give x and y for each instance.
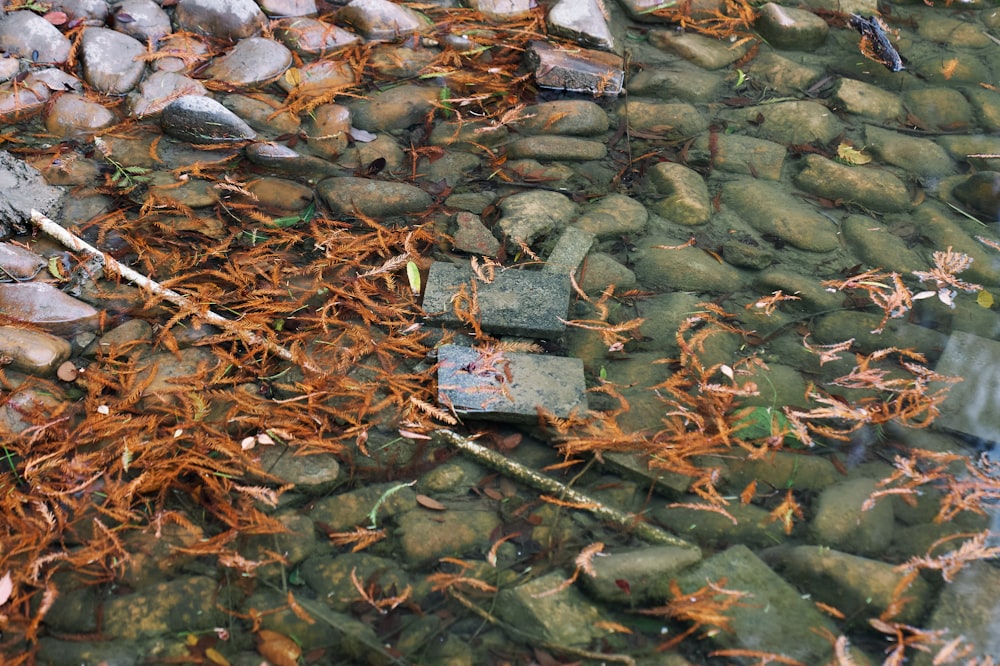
(426, 536)
(646, 573)
(398, 107)
(582, 21)
(945, 229)
(790, 28)
(223, 19)
(579, 70)
(967, 607)
(253, 62)
(962, 147)
(746, 254)
(124, 339)
(499, 11)
(920, 156)
(706, 52)
(938, 108)
(981, 192)
(841, 523)
(312, 475)
(181, 53)
(524, 303)
(452, 168)
(372, 198)
(330, 577)
(526, 216)
(23, 102)
(873, 189)
(879, 248)
(569, 252)
(327, 130)
(688, 269)
(558, 614)
(678, 81)
(322, 77)
(110, 62)
(735, 153)
(163, 369)
(45, 306)
(381, 20)
(202, 120)
(986, 104)
(613, 216)
(184, 604)
(856, 586)
(311, 38)
(968, 409)
(293, 8)
(29, 36)
(280, 196)
(672, 121)
(87, 12)
(769, 209)
(790, 123)
(27, 407)
(159, 89)
(17, 263)
(467, 135)
(870, 101)
(75, 116)
(143, 20)
(569, 116)
(603, 271)
(685, 196)
(472, 236)
(22, 189)
(32, 352)
(711, 530)
(282, 158)
(263, 113)
(784, 75)
(347, 510)
(565, 148)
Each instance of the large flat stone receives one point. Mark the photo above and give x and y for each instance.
(972, 405)
(524, 303)
(508, 386)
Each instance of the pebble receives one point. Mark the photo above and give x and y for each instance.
(568, 148)
(293, 8)
(570, 116)
(202, 120)
(322, 77)
(33, 352)
(280, 196)
(680, 194)
(770, 209)
(577, 70)
(875, 189)
(865, 99)
(222, 19)
(143, 20)
(876, 246)
(702, 51)
(687, 269)
(500, 11)
(312, 38)
(583, 21)
(614, 216)
(784, 75)
(672, 121)
(735, 153)
(472, 236)
(372, 198)
(381, 20)
(180, 53)
(327, 130)
(88, 12)
(286, 160)
(526, 216)
(253, 62)
(263, 113)
(22, 188)
(914, 154)
(938, 108)
(791, 28)
(43, 305)
(790, 123)
(73, 116)
(602, 271)
(28, 35)
(17, 263)
(109, 60)
(398, 107)
(676, 81)
(981, 192)
(840, 522)
(159, 89)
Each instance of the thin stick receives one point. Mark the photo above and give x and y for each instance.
(538, 481)
(76, 243)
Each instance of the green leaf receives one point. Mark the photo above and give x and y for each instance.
(413, 275)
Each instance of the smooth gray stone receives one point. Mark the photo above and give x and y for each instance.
(200, 119)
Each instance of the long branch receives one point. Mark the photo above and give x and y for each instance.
(76, 243)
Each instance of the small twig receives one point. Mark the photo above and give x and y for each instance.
(76, 243)
(538, 481)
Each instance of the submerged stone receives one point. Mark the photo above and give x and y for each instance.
(347, 195)
(381, 20)
(198, 119)
(578, 70)
(791, 28)
(582, 21)
(970, 406)
(253, 62)
(771, 209)
(874, 189)
(575, 117)
(43, 305)
(33, 352)
(561, 614)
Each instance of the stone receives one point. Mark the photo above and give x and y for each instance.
(222, 19)
(770, 209)
(687, 269)
(945, 229)
(312, 38)
(646, 572)
(312, 475)
(774, 614)
(878, 247)
(678, 81)
(962, 148)
(253, 62)
(202, 120)
(381, 20)
(23, 102)
(752, 527)
(970, 405)
(705, 52)
(467, 135)
(526, 216)
(613, 216)
(856, 586)
(546, 607)
(110, 60)
(159, 89)
(32, 352)
(579, 70)
(680, 194)
(347, 195)
(790, 123)
(87, 12)
(472, 236)
(735, 153)
(870, 101)
(346, 510)
(874, 189)
(327, 130)
(181, 53)
(294, 8)
(790, 28)
(784, 75)
(524, 303)
(330, 577)
(582, 21)
(569, 252)
(670, 120)
(183, 604)
(980, 192)
(286, 160)
(29, 36)
(280, 196)
(864, 328)
(162, 369)
(263, 113)
(939, 108)
(18, 263)
(398, 107)
(499, 11)
(143, 20)
(567, 148)
(914, 154)
(967, 607)
(74, 116)
(574, 117)
(427, 536)
(322, 77)
(43, 305)
(744, 254)
(601, 271)
(842, 523)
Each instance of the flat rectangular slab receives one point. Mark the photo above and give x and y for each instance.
(508, 386)
(973, 405)
(523, 303)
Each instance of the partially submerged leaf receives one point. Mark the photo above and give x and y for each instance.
(852, 155)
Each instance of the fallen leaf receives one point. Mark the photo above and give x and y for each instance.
(852, 155)
(277, 648)
(430, 503)
(985, 299)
